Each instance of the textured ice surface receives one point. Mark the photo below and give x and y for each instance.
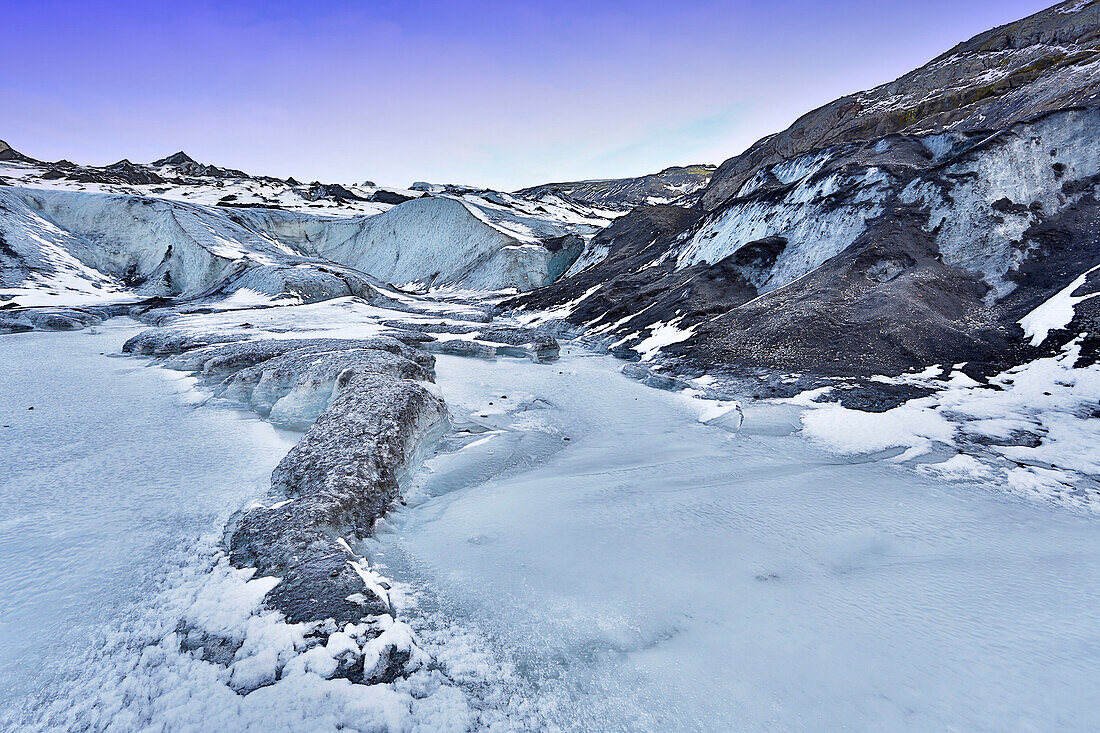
(586, 553)
(120, 610)
(107, 478)
(433, 241)
(655, 573)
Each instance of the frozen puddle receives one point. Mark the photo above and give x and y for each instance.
(655, 573)
(107, 482)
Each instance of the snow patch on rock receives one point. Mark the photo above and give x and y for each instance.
(1032, 429)
(1057, 312)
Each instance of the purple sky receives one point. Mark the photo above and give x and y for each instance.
(500, 94)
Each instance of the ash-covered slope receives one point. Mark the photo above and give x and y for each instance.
(674, 184)
(852, 243)
(1011, 73)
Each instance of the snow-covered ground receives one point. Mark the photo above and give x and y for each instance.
(1032, 430)
(110, 478)
(636, 569)
(582, 553)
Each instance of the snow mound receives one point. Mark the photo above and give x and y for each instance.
(1057, 312)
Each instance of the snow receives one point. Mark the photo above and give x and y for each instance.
(1057, 312)
(855, 431)
(662, 335)
(1075, 8)
(248, 298)
(717, 409)
(534, 318)
(1049, 400)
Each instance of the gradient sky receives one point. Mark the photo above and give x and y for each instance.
(500, 94)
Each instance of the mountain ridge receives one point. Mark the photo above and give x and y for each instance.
(890, 247)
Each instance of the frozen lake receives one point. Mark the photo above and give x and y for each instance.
(103, 483)
(625, 566)
(655, 573)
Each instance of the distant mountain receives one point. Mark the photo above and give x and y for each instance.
(180, 177)
(677, 184)
(7, 153)
(917, 223)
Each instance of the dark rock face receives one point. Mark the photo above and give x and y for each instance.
(180, 158)
(9, 153)
(341, 477)
(329, 191)
(389, 197)
(122, 172)
(183, 164)
(675, 184)
(867, 238)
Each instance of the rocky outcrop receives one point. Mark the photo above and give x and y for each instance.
(368, 408)
(678, 184)
(339, 479)
(9, 153)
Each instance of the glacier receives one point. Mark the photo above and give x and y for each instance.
(64, 246)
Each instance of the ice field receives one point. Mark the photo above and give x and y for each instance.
(582, 552)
